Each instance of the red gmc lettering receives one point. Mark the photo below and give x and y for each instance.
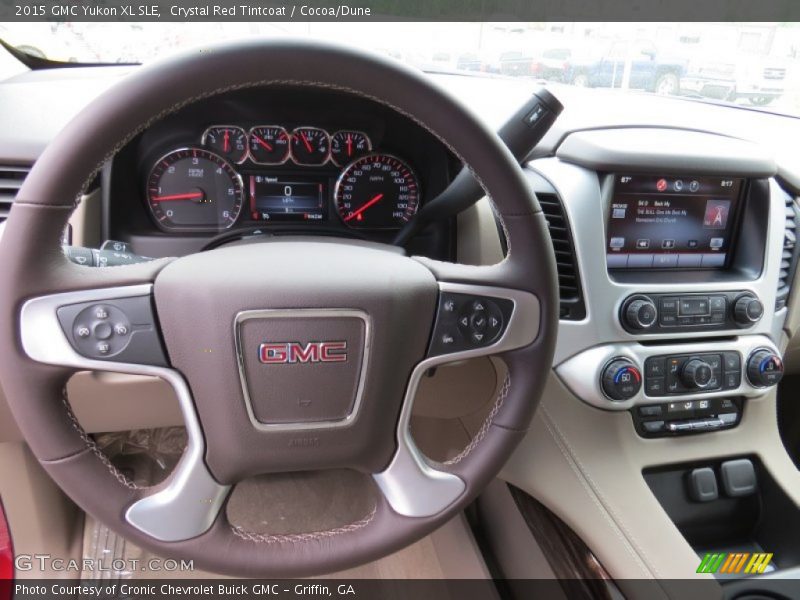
(294, 352)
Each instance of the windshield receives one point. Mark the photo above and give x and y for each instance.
(748, 64)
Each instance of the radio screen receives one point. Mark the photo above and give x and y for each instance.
(671, 222)
(287, 198)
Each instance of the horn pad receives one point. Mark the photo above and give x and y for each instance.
(302, 368)
(297, 351)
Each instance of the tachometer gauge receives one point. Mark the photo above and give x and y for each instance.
(193, 188)
(348, 145)
(228, 141)
(377, 191)
(269, 145)
(310, 146)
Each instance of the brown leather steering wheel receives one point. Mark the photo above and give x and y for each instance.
(388, 309)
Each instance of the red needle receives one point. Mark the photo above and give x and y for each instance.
(355, 214)
(305, 141)
(349, 145)
(225, 141)
(177, 197)
(263, 143)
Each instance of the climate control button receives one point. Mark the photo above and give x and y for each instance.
(621, 379)
(697, 374)
(764, 368)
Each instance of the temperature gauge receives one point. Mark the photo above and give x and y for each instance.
(228, 141)
(311, 146)
(269, 145)
(346, 146)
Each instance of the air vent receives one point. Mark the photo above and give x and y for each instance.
(790, 252)
(569, 283)
(11, 179)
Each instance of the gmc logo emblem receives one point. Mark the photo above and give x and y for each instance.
(294, 352)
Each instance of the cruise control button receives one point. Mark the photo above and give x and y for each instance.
(101, 312)
(102, 331)
(82, 331)
(120, 329)
(103, 348)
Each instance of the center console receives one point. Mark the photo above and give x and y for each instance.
(687, 290)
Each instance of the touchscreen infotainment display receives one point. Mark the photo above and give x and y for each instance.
(657, 222)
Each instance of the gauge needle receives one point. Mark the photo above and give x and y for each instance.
(356, 214)
(349, 145)
(305, 141)
(190, 196)
(263, 143)
(225, 141)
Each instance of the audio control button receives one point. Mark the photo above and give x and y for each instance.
(748, 310)
(641, 313)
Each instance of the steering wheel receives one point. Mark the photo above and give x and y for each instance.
(287, 355)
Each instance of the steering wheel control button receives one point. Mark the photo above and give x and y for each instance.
(764, 368)
(102, 330)
(121, 330)
(621, 379)
(640, 313)
(465, 322)
(748, 310)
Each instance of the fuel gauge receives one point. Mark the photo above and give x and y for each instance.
(229, 141)
(311, 146)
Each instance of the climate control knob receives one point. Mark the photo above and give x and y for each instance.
(640, 313)
(621, 379)
(764, 368)
(747, 310)
(697, 374)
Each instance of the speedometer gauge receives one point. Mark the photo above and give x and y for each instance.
(192, 188)
(377, 191)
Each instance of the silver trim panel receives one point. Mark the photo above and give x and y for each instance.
(308, 313)
(582, 373)
(188, 505)
(411, 485)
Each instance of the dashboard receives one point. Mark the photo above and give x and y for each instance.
(276, 161)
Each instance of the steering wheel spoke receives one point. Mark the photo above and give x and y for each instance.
(114, 329)
(472, 320)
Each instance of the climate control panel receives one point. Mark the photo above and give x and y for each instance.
(671, 313)
(688, 373)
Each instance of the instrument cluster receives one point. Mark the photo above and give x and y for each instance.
(269, 173)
